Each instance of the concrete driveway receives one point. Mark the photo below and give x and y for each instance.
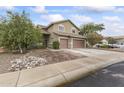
(92, 52)
(112, 76)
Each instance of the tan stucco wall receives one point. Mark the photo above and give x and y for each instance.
(68, 27)
(50, 29)
(52, 37)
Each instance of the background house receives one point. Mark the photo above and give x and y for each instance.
(119, 40)
(104, 41)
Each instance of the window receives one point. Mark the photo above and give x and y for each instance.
(73, 30)
(61, 28)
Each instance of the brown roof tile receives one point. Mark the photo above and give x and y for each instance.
(69, 34)
(61, 22)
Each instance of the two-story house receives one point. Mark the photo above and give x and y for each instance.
(66, 32)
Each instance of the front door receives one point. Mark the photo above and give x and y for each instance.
(45, 40)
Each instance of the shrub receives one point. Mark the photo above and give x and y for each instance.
(55, 45)
(37, 46)
(104, 46)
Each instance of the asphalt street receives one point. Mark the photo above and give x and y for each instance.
(112, 76)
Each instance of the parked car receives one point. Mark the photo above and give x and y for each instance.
(107, 46)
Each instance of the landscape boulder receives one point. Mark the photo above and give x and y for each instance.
(27, 62)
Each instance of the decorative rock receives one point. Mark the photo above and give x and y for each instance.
(27, 63)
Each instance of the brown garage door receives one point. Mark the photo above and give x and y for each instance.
(78, 43)
(63, 43)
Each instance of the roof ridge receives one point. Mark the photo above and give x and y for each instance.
(62, 21)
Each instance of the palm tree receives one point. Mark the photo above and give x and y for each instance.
(90, 31)
(91, 27)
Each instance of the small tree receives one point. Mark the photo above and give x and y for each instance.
(111, 40)
(18, 32)
(91, 27)
(94, 38)
(91, 30)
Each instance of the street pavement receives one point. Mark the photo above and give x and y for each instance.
(112, 76)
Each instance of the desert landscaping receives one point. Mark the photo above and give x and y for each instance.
(37, 57)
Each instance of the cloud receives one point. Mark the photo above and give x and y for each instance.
(111, 18)
(119, 10)
(80, 19)
(7, 7)
(98, 9)
(113, 25)
(39, 9)
(113, 29)
(52, 17)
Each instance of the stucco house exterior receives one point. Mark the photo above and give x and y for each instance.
(119, 39)
(104, 41)
(66, 32)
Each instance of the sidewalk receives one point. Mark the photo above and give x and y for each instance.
(61, 73)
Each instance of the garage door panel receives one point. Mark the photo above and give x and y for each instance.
(78, 43)
(63, 43)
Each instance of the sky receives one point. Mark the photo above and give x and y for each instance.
(111, 16)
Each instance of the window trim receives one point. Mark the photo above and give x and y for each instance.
(61, 26)
(73, 29)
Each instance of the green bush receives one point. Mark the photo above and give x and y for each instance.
(17, 32)
(37, 46)
(104, 46)
(55, 45)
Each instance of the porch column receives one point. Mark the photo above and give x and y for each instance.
(71, 40)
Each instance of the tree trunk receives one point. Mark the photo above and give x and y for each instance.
(20, 49)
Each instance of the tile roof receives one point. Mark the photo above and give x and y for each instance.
(117, 37)
(42, 29)
(69, 34)
(61, 22)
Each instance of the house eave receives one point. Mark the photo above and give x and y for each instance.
(70, 35)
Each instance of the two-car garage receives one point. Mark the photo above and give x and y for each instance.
(72, 43)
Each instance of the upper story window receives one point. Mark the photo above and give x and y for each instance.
(61, 27)
(73, 30)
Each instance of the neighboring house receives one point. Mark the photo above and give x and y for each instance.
(66, 32)
(119, 39)
(104, 41)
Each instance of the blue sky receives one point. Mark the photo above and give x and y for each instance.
(111, 16)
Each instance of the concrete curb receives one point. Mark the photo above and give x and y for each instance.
(58, 74)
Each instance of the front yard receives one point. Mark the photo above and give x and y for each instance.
(50, 55)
